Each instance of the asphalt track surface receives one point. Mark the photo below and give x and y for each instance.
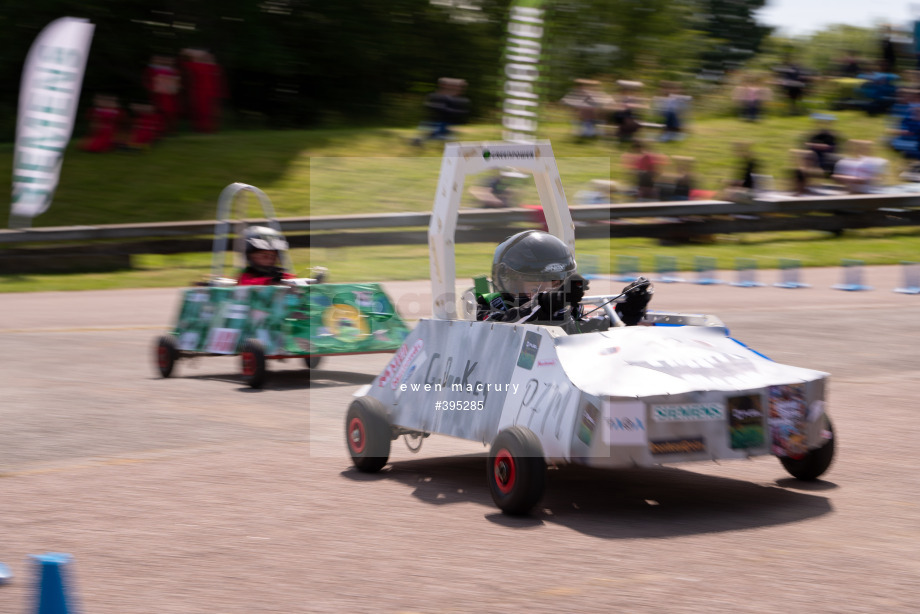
(196, 494)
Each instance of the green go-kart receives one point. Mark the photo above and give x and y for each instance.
(302, 318)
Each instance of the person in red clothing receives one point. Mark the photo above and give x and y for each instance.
(105, 120)
(163, 82)
(263, 248)
(204, 86)
(147, 126)
(646, 167)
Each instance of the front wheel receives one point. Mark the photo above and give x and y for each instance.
(167, 354)
(312, 361)
(516, 470)
(815, 462)
(368, 434)
(253, 363)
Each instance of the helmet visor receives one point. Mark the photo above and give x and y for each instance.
(514, 282)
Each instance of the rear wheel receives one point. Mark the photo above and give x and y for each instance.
(814, 463)
(312, 361)
(167, 354)
(253, 363)
(368, 434)
(516, 470)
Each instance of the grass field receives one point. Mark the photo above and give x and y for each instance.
(333, 172)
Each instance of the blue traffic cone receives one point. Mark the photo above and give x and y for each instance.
(6, 574)
(51, 595)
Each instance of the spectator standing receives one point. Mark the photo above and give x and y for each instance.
(587, 102)
(204, 89)
(750, 97)
(163, 83)
(793, 80)
(446, 108)
(672, 108)
(889, 56)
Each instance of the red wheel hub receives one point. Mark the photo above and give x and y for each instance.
(356, 437)
(249, 364)
(505, 472)
(163, 357)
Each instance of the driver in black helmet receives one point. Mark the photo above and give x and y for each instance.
(535, 276)
(263, 248)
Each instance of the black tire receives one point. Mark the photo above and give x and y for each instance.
(312, 362)
(516, 470)
(815, 462)
(167, 353)
(368, 434)
(252, 358)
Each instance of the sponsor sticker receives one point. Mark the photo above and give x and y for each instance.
(687, 445)
(222, 340)
(589, 419)
(188, 340)
(788, 409)
(688, 412)
(529, 350)
(626, 423)
(237, 312)
(745, 421)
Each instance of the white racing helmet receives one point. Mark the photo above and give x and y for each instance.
(263, 238)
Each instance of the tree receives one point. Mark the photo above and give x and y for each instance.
(291, 62)
(733, 25)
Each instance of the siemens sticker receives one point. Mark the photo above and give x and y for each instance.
(522, 58)
(691, 412)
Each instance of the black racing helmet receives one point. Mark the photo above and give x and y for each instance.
(528, 258)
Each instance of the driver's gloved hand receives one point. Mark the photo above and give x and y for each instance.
(551, 304)
(637, 295)
(276, 274)
(576, 286)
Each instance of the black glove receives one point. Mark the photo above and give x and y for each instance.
(551, 304)
(575, 291)
(637, 295)
(276, 274)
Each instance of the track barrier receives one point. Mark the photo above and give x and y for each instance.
(747, 273)
(51, 591)
(705, 267)
(789, 274)
(852, 276)
(627, 268)
(911, 278)
(666, 269)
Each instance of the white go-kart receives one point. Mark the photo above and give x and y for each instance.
(675, 388)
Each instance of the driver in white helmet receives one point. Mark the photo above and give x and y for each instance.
(534, 275)
(263, 248)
